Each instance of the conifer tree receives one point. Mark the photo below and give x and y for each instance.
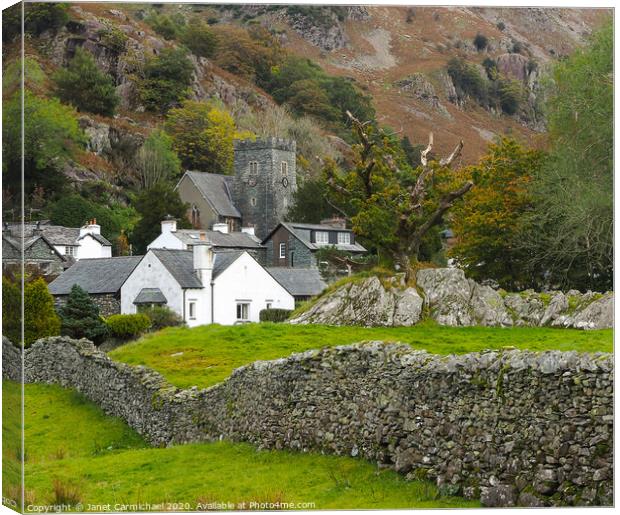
(80, 317)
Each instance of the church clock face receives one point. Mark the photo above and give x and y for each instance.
(284, 182)
(252, 181)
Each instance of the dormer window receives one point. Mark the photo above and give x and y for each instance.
(321, 237)
(253, 167)
(284, 168)
(70, 250)
(344, 238)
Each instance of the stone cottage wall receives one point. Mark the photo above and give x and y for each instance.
(108, 303)
(511, 428)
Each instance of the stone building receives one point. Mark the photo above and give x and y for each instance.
(101, 278)
(294, 245)
(257, 196)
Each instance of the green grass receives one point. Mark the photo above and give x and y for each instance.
(74, 452)
(206, 355)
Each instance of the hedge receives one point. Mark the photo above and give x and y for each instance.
(274, 315)
(128, 326)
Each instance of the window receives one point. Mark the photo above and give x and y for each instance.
(321, 237)
(243, 310)
(268, 304)
(344, 238)
(282, 250)
(253, 201)
(70, 250)
(253, 168)
(284, 168)
(195, 216)
(192, 310)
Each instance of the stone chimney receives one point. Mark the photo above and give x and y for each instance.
(336, 222)
(221, 227)
(168, 224)
(90, 227)
(203, 261)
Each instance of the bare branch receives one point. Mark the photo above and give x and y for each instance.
(447, 161)
(425, 152)
(346, 216)
(444, 204)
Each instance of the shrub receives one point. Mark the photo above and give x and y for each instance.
(40, 318)
(274, 315)
(510, 94)
(490, 65)
(113, 38)
(517, 47)
(128, 326)
(39, 17)
(467, 79)
(199, 38)
(11, 311)
(501, 26)
(83, 85)
(80, 317)
(162, 316)
(166, 79)
(164, 26)
(480, 42)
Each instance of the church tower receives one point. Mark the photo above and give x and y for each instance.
(265, 180)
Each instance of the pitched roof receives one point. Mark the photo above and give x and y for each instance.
(299, 282)
(58, 234)
(150, 296)
(302, 233)
(215, 188)
(180, 263)
(97, 237)
(238, 240)
(99, 275)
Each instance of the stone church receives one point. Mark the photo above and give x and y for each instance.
(255, 198)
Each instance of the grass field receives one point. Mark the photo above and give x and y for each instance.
(75, 454)
(206, 355)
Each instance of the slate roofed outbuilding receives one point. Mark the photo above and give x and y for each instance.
(299, 282)
(219, 239)
(100, 275)
(150, 296)
(216, 190)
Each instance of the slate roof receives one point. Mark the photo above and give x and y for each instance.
(150, 296)
(215, 188)
(99, 275)
(99, 238)
(59, 235)
(237, 240)
(302, 233)
(299, 282)
(180, 263)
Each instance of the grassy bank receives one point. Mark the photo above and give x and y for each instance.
(206, 355)
(75, 454)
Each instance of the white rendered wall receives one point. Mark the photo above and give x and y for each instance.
(90, 248)
(247, 281)
(166, 240)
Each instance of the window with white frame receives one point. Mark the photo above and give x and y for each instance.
(321, 237)
(243, 311)
(282, 250)
(253, 167)
(284, 168)
(192, 309)
(70, 250)
(344, 238)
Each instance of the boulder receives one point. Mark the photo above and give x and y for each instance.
(447, 293)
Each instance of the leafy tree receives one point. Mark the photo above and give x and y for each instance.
(388, 203)
(491, 223)
(510, 94)
(40, 318)
(412, 152)
(153, 205)
(199, 38)
(202, 135)
(166, 79)
(467, 79)
(572, 235)
(74, 210)
(80, 317)
(11, 311)
(38, 17)
(156, 160)
(52, 135)
(310, 203)
(480, 42)
(164, 26)
(83, 85)
(308, 97)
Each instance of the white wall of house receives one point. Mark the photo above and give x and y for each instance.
(247, 282)
(90, 248)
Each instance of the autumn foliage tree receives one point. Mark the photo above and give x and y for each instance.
(490, 225)
(389, 203)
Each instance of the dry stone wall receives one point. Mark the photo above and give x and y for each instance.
(512, 428)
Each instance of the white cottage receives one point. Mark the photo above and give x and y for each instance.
(204, 286)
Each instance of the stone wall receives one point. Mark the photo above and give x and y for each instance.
(516, 427)
(108, 303)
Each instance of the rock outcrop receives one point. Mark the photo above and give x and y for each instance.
(367, 303)
(451, 299)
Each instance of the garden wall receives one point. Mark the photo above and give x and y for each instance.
(511, 428)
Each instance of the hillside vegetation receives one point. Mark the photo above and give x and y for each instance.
(204, 356)
(75, 454)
